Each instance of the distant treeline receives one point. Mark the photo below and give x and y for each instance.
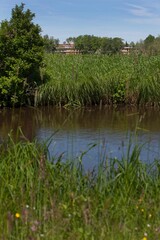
(105, 45)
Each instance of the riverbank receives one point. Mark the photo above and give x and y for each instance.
(89, 80)
(43, 199)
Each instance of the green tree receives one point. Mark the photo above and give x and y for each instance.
(50, 44)
(156, 46)
(149, 40)
(117, 44)
(87, 43)
(106, 45)
(111, 45)
(149, 44)
(21, 54)
(70, 40)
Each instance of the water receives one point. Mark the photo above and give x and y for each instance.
(75, 132)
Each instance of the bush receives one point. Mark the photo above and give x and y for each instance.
(21, 53)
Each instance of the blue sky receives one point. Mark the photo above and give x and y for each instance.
(132, 20)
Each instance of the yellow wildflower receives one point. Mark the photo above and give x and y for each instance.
(17, 215)
(144, 238)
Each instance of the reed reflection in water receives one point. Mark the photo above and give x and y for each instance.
(75, 131)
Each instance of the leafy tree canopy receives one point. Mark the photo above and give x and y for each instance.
(150, 46)
(149, 40)
(94, 44)
(50, 44)
(21, 53)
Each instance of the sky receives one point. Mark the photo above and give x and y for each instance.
(131, 20)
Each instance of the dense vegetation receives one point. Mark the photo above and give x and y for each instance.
(43, 199)
(94, 44)
(105, 45)
(100, 79)
(21, 54)
(99, 75)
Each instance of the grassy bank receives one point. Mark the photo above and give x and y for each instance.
(81, 80)
(53, 200)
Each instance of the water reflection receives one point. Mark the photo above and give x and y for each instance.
(78, 129)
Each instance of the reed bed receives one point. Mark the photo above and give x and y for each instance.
(51, 199)
(82, 80)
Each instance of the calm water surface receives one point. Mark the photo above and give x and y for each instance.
(76, 131)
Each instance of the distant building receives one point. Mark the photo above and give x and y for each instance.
(126, 50)
(67, 48)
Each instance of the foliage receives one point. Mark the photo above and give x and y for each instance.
(21, 52)
(111, 45)
(50, 44)
(107, 45)
(87, 43)
(70, 40)
(82, 80)
(52, 199)
(11, 90)
(149, 40)
(93, 44)
(150, 46)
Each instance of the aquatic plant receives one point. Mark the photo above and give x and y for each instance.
(81, 80)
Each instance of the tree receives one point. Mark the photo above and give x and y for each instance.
(87, 43)
(106, 45)
(111, 45)
(94, 44)
(117, 44)
(156, 46)
(21, 53)
(70, 40)
(50, 44)
(148, 43)
(149, 40)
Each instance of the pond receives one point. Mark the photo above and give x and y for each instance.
(96, 134)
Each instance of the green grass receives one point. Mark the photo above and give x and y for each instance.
(80, 80)
(56, 200)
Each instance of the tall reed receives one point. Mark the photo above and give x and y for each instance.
(53, 199)
(81, 80)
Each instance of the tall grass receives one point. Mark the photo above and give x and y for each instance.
(43, 199)
(81, 80)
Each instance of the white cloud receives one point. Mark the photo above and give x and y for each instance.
(139, 11)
